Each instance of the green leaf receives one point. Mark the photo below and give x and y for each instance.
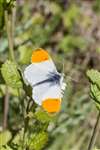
(95, 94)
(94, 76)
(6, 148)
(69, 17)
(41, 36)
(43, 116)
(5, 137)
(98, 49)
(38, 141)
(11, 75)
(25, 54)
(96, 149)
(37, 19)
(96, 6)
(7, 4)
(69, 43)
(18, 138)
(55, 8)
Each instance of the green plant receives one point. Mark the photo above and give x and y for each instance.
(94, 78)
(70, 31)
(29, 136)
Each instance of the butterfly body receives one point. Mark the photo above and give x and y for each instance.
(47, 83)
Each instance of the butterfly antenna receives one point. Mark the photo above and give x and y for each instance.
(68, 78)
(63, 68)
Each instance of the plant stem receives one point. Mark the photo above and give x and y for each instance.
(13, 19)
(8, 25)
(6, 107)
(26, 121)
(95, 132)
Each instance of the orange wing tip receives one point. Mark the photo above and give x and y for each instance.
(39, 55)
(51, 105)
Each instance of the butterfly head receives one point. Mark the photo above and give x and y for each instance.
(58, 78)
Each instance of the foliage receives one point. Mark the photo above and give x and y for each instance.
(5, 5)
(43, 116)
(6, 147)
(96, 149)
(69, 43)
(69, 30)
(94, 77)
(97, 6)
(38, 141)
(11, 75)
(5, 137)
(69, 17)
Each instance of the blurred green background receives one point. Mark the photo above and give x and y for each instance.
(70, 31)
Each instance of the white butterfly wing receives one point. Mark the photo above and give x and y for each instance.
(39, 91)
(37, 72)
(46, 91)
(54, 92)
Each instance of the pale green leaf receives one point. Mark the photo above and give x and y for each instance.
(43, 116)
(6, 148)
(5, 137)
(96, 149)
(25, 54)
(55, 8)
(11, 75)
(95, 94)
(94, 76)
(69, 17)
(38, 141)
(70, 42)
(19, 137)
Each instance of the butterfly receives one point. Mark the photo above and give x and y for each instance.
(46, 82)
